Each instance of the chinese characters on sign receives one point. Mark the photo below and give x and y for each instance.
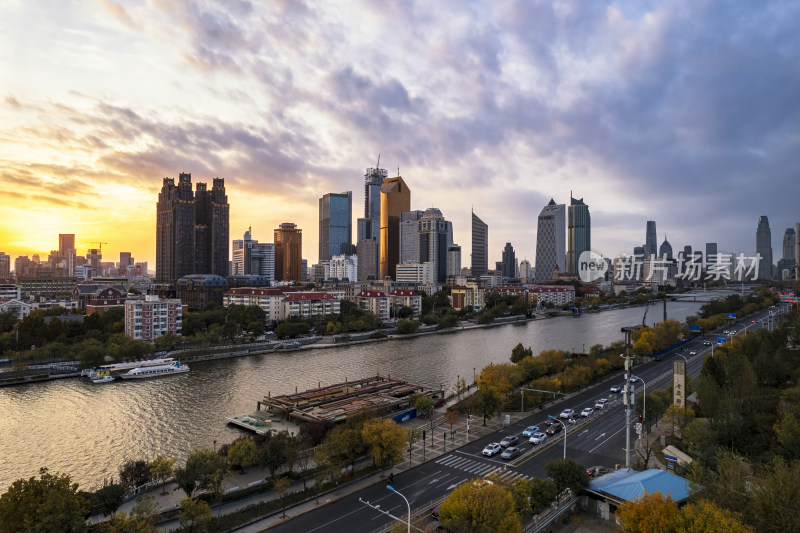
(716, 267)
(679, 383)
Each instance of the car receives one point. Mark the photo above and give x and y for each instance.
(509, 440)
(706, 343)
(510, 453)
(537, 438)
(634, 379)
(596, 471)
(601, 403)
(587, 412)
(530, 430)
(725, 332)
(616, 388)
(567, 413)
(692, 352)
(491, 449)
(554, 428)
(549, 422)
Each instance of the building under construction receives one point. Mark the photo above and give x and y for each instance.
(335, 403)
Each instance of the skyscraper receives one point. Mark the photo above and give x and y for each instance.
(651, 244)
(786, 266)
(335, 224)
(509, 262)
(711, 253)
(66, 241)
(764, 248)
(480, 247)
(369, 226)
(288, 252)
(192, 232)
(367, 252)
(5, 266)
(409, 236)
(251, 257)
(665, 251)
(579, 232)
(550, 241)
(395, 198)
(125, 259)
(525, 271)
(797, 250)
(433, 242)
(453, 260)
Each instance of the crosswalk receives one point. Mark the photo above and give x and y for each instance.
(479, 468)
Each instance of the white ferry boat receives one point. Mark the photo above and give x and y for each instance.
(155, 371)
(116, 368)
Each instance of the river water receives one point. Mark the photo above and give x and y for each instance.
(74, 426)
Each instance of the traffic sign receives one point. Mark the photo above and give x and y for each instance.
(638, 428)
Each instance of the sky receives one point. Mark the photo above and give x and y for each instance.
(682, 112)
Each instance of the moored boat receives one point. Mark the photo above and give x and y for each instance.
(155, 371)
(102, 377)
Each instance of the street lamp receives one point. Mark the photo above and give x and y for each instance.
(408, 504)
(644, 401)
(565, 435)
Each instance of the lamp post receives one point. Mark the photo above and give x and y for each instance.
(407, 504)
(644, 402)
(565, 434)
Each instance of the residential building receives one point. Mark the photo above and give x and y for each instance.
(15, 306)
(556, 294)
(764, 248)
(9, 289)
(45, 287)
(656, 271)
(415, 273)
(579, 232)
(409, 236)
(151, 317)
(453, 261)
(335, 224)
(374, 301)
(469, 295)
(308, 304)
(508, 265)
(395, 199)
(433, 242)
(480, 247)
(344, 267)
(192, 229)
(400, 298)
(525, 271)
(106, 298)
(288, 252)
(550, 241)
(5, 266)
(268, 299)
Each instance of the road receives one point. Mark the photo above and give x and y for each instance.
(597, 440)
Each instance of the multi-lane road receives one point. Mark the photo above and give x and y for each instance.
(596, 440)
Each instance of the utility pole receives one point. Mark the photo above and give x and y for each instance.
(628, 402)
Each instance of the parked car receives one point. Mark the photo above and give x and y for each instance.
(530, 430)
(492, 449)
(616, 388)
(601, 403)
(509, 440)
(537, 438)
(554, 428)
(587, 412)
(510, 453)
(567, 413)
(595, 471)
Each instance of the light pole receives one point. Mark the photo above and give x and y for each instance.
(565, 434)
(644, 402)
(627, 401)
(408, 504)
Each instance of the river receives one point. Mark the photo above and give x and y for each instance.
(87, 430)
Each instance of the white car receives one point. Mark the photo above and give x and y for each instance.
(537, 438)
(616, 388)
(492, 449)
(567, 413)
(692, 352)
(587, 412)
(601, 403)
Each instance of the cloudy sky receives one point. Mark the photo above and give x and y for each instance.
(683, 112)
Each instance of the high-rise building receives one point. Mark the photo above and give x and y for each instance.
(5, 266)
(525, 272)
(395, 199)
(480, 247)
(651, 244)
(550, 241)
(409, 236)
(433, 242)
(764, 248)
(687, 252)
(251, 257)
(192, 231)
(711, 252)
(509, 262)
(665, 251)
(453, 260)
(335, 224)
(94, 257)
(66, 241)
(797, 251)
(288, 252)
(369, 226)
(786, 263)
(367, 252)
(579, 232)
(125, 259)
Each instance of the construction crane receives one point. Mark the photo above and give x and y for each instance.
(101, 245)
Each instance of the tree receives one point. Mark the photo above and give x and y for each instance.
(521, 493)
(134, 473)
(451, 417)
(650, 513)
(479, 506)
(47, 504)
(423, 403)
(543, 494)
(788, 432)
(706, 517)
(194, 513)
(681, 416)
(161, 470)
(108, 498)
(274, 453)
(519, 352)
(775, 506)
(488, 402)
(385, 440)
(405, 327)
(413, 435)
(567, 474)
(204, 469)
(282, 485)
(501, 378)
(145, 507)
(304, 460)
(119, 523)
(242, 453)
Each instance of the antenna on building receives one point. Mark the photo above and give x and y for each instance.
(379, 162)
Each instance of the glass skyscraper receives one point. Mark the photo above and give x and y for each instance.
(335, 225)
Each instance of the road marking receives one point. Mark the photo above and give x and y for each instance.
(593, 449)
(454, 485)
(600, 436)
